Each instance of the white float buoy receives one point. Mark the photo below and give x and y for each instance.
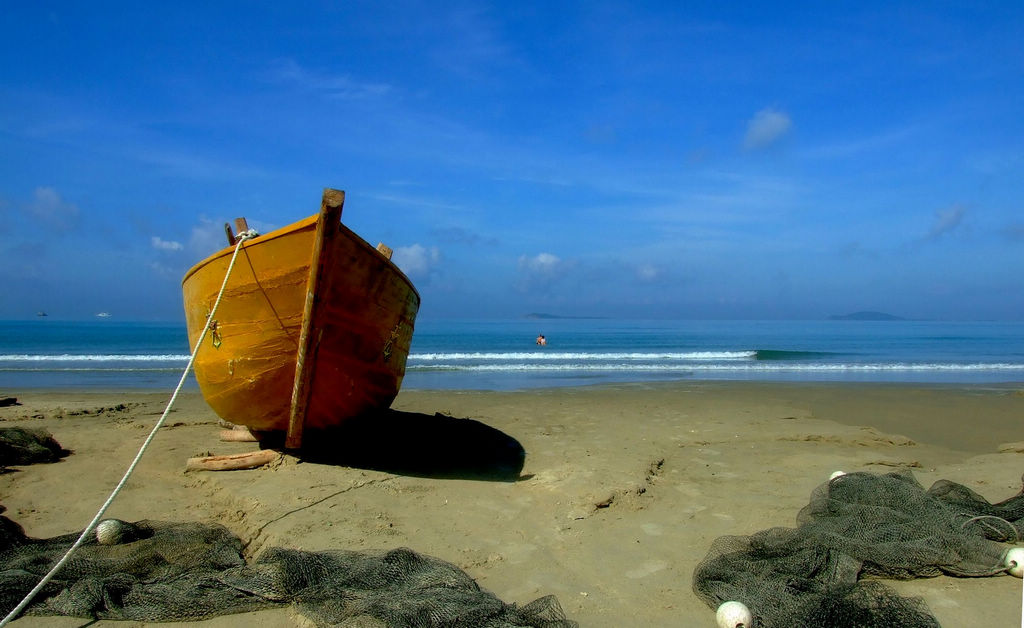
(1013, 560)
(734, 615)
(836, 474)
(111, 531)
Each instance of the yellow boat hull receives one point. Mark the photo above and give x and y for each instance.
(364, 309)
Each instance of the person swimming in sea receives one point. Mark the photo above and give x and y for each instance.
(541, 340)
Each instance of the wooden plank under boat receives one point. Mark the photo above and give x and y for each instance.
(314, 326)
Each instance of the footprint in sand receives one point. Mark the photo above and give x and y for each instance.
(649, 567)
(652, 529)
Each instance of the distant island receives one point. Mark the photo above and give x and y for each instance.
(543, 316)
(866, 316)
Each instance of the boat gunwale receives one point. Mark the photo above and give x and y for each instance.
(288, 230)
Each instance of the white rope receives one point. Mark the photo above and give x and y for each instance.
(242, 237)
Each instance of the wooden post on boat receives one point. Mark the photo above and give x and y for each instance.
(326, 230)
(240, 226)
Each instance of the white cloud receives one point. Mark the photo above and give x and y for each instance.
(334, 86)
(165, 271)
(542, 271)
(864, 144)
(207, 237)
(946, 220)
(417, 260)
(648, 273)
(165, 245)
(541, 264)
(767, 127)
(50, 208)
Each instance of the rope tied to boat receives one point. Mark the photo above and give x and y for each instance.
(241, 237)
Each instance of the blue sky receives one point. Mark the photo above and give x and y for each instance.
(661, 160)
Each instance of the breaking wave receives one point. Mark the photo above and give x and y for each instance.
(546, 356)
(752, 367)
(69, 357)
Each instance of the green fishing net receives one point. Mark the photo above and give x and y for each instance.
(153, 571)
(856, 529)
(22, 446)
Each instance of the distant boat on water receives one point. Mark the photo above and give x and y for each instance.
(314, 327)
(41, 313)
(103, 315)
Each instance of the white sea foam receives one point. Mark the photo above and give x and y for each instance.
(69, 357)
(546, 356)
(173, 369)
(759, 367)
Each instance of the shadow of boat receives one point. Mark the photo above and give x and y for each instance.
(417, 444)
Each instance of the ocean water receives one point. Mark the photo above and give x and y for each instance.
(502, 355)
(104, 353)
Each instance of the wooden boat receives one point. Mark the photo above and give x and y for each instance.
(314, 326)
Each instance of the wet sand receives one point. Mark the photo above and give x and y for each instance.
(606, 497)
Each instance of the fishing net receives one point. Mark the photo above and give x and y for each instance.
(859, 526)
(21, 446)
(153, 571)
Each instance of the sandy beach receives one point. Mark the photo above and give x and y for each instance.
(606, 497)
